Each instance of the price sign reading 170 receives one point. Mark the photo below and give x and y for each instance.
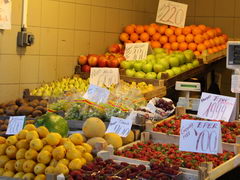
(171, 13)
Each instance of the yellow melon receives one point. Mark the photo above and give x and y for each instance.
(94, 127)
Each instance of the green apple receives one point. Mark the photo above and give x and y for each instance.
(139, 74)
(150, 57)
(189, 55)
(137, 66)
(158, 50)
(126, 64)
(130, 72)
(195, 63)
(159, 75)
(170, 73)
(161, 55)
(177, 70)
(181, 58)
(189, 65)
(158, 68)
(147, 67)
(164, 62)
(184, 68)
(174, 62)
(151, 75)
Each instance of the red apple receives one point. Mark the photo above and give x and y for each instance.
(121, 58)
(114, 48)
(85, 68)
(111, 57)
(102, 61)
(113, 63)
(82, 60)
(92, 60)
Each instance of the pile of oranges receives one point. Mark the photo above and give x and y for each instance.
(197, 38)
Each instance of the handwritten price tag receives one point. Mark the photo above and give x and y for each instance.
(120, 126)
(136, 51)
(171, 13)
(216, 107)
(200, 136)
(235, 85)
(104, 76)
(5, 14)
(15, 124)
(97, 94)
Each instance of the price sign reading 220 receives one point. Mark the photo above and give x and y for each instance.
(171, 13)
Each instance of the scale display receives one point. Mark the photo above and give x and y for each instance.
(233, 55)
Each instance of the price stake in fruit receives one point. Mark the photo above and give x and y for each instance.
(200, 136)
(120, 126)
(15, 124)
(97, 94)
(171, 13)
(217, 107)
(104, 76)
(136, 51)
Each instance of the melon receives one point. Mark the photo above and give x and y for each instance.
(128, 139)
(93, 141)
(114, 139)
(94, 127)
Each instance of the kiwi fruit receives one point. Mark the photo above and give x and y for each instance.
(14, 107)
(1, 112)
(10, 103)
(37, 113)
(10, 112)
(3, 127)
(33, 104)
(20, 101)
(25, 110)
(43, 103)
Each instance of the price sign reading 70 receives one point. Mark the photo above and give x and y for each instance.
(171, 13)
(136, 51)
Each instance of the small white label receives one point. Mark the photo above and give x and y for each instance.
(235, 85)
(120, 126)
(104, 76)
(216, 107)
(15, 124)
(136, 51)
(5, 14)
(200, 136)
(171, 13)
(97, 94)
(150, 106)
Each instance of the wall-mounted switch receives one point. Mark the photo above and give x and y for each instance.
(25, 39)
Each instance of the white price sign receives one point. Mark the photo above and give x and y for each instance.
(120, 126)
(5, 14)
(104, 76)
(15, 124)
(97, 94)
(171, 13)
(136, 51)
(200, 136)
(235, 85)
(217, 107)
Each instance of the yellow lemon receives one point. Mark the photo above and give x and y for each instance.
(39, 168)
(8, 174)
(76, 138)
(61, 169)
(2, 140)
(11, 151)
(88, 157)
(64, 161)
(21, 153)
(73, 154)
(36, 144)
(53, 139)
(31, 154)
(30, 127)
(1, 171)
(50, 170)
(3, 148)
(80, 148)
(11, 140)
(68, 145)
(40, 177)
(32, 135)
(28, 166)
(88, 147)
(44, 157)
(59, 152)
(28, 176)
(3, 160)
(22, 134)
(19, 164)
(19, 175)
(75, 164)
(10, 166)
(23, 143)
(42, 131)
(48, 148)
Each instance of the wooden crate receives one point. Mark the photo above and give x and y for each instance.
(204, 172)
(175, 138)
(157, 92)
(207, 59)
(154, 82)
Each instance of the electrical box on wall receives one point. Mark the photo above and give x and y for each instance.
(24, 39)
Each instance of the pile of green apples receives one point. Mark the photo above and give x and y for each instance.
(160, 63)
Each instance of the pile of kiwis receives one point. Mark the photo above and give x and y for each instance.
(23, 107)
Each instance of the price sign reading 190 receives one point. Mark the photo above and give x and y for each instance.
(171, 13)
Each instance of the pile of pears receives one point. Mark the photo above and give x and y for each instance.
(58, 88)
(35, 152)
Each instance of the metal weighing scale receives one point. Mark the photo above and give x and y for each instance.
(187, 87)
(233, 62)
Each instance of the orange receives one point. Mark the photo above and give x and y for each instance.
(192, 26)
(198, 38)
(139, 29)
(196, 31)
(225, 37)
(129, 29)
(189, 38)
(167, 46)
(163, 39)
(181, 38)
(212, 42)
(145, 27)
(210, 51)
(219, 48)
(210, 33)
(128, 41)
(218, 31)
(197, 53)
(217, 41)
(183, 46)
(169, 32)
(201, 47)
(124, 37)
(156, 36)
(178, 31)
(173, 28)
(172, 38)
(205, 36)
(155, 44)
(202, 27)
(192, 46)
(215, 49)
(151, 30)
(134, 37)
(207, 44)
(162, 29)
(224, 46)
(186, 30)
(138, 41)
(221, 39)
(174, 46)
(144, 37)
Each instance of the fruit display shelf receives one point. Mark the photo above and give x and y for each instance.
(203, 172)
(174, 136)
(207, 59)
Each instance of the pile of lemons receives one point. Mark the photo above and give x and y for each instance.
(35, 152)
